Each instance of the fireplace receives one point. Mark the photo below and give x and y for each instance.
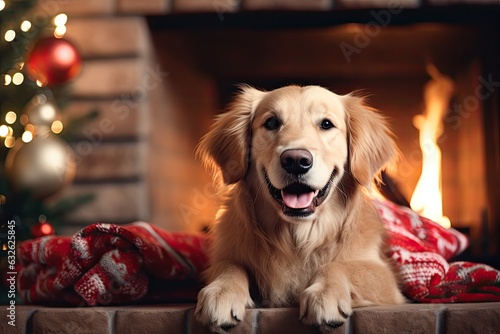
(208, 55)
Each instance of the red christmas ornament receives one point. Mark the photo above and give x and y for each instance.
(42, 229)
(53, 61)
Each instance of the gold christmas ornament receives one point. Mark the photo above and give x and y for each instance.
(41, 167)
(41, 111)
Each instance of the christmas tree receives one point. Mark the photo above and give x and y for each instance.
(35, 161)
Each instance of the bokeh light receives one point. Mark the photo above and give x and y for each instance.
(10, 35)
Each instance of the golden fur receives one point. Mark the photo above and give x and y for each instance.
(327, 260)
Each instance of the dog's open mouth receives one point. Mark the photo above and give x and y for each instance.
(299, 199)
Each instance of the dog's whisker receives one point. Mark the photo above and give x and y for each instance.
(344, 194)
(259, 191)
(340, 189)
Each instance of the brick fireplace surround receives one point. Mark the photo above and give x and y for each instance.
(114, 40)
(481, 318)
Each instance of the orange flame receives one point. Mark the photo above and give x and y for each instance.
(427, 196)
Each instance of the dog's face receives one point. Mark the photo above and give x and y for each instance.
(299, 148)
(300, 141)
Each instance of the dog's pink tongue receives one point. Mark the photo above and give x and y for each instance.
(297, 201)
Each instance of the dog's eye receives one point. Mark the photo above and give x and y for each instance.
(326, 124)
(272, 123)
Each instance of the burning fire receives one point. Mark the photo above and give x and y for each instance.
(427, 196)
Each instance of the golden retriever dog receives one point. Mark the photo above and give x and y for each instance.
(296, 222)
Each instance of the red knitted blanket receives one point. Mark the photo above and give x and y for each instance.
(421, 249)
(107, 264)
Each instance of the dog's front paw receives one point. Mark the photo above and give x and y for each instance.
(221, 307)
(325, 306)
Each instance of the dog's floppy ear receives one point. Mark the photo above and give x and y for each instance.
(226, 146)
(370, 140)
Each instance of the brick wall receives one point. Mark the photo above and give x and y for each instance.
(409, 318)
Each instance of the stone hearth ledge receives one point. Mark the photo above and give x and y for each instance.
(481, 318)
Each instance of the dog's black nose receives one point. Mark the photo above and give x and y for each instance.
(296, 161)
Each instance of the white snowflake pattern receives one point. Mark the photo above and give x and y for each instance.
(82, 246)
(116, 268)
(96, 282)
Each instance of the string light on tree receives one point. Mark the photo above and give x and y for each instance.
(9, 142)
(10, 35)
(10, 117)
(25, 26)
(27, 136)
(60, 24)
(57, 126)
(4, 130)
(60, 20)
(17, 78)
(24, 119)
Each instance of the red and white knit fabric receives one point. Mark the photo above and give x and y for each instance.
(421, 249)
(111, 264)
(107, 264)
